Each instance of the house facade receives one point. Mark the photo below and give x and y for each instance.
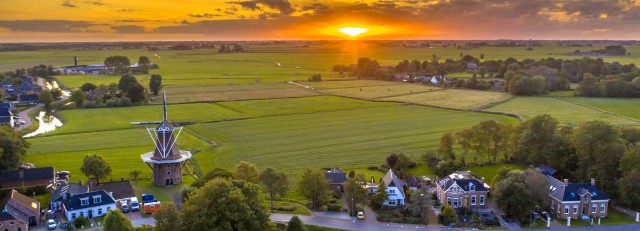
(9, 222)
(461, 189)
(89, 205)
(395, 189)
(23, 208)
(576, 201)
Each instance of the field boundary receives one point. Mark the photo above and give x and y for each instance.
(412, 93)
(482, 107)
(596, 109)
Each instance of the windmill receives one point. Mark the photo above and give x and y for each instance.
(166, 161)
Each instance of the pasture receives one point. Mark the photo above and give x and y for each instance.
(565, 112)
(374, 92)
(453, 98)
(628, 107)
(208, 93)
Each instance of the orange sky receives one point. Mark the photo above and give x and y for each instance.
(128, 20)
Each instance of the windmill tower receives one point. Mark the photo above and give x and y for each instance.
(166, 161)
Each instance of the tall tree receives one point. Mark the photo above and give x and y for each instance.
(536, 138)
(381, 195)
(355, 193)
(275, 183)
(118, 64)
(629, 161)
(420, 202)
(78, 97)
(87, 87)
(126, 82)
(511, 196)
(155, 84)
(246, 171)
(144, 64)
(136, 93)
(446, 147)
(13, 148)
(46, 98)
(448, 215)
(537, 186)
(222, 204)
(95, 166)
(314, 187)
(630, 189)
(464, 138)
(167, 218)
(117, 221)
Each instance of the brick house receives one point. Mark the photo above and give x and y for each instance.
(461, 189)
(23, 208)
(16, 178)
(576, 200)
(9, 222)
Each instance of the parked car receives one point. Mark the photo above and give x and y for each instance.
(360, 216)
(51, 224)
(135, 206)
(124, 206)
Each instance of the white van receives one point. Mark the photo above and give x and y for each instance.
(135, 206)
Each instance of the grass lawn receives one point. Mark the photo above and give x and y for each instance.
(75, 81)
(624, 106)
(564, 112)
(422, 170)
(489, 171)
(43, 199)
(162, 194)
(616, 217)
(299, 208)
(453, 98)
(229, 92)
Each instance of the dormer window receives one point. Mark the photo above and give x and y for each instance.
(84, 201)
(586, 199)
(97, 199)
(472, 187)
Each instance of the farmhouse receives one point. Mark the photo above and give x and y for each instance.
(461, 189)
(571, 200)
(395, 189)
(117, 189)
(63, 193)
(23, 208)
(89, 204)
(28, 177)
(9, 222)
(336, 178)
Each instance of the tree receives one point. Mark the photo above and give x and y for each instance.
(537, 186)
(631, 135)
(398, 162)
(46, 98)
(144, 64)
(118, 64)
(629, 187)
(155, 84)
(136, 93)
(246, 171)
(464, 138)
(501, 174)
(167, 218)
(134, 174)
(116, 221)
(629, 161)
(381, 195)
(275, 183)
(87, 87)
(78, 97)
(355, 193)
(482, 71)
(13, 148)
(448, 215)
(446, 147)
(95, 166)
(211, 174)
(420, 202)
(511, 196)
(536, 138)
(314, 187)
(295, 224)
(222, 204)
(599, 149)
(126, 82)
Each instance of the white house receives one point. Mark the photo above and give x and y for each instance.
(395, 189)
(436, 79)
(89, 205)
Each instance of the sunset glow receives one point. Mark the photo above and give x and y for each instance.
(353, 31)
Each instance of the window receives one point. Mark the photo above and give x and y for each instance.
(19, 228)
(73, 216)
(391, 191)
(392, 203)
(553, 203)
(586, 199)
(575, 209)
(473, 200)
(593, 208)
(84, 201)
(472, 188)
(602, 208)
(169, 173)
(455, 202)
(99, 211)
(449, 200)
(97, 199)
(559, 207)
(566, 209)
(481, 200)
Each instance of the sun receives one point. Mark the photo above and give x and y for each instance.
(353, 31)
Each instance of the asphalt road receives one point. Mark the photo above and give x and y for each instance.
(24, 116)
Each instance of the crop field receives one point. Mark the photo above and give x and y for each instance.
(355, 138)
(208, 93)
(623, 106)
(373, 92)
(453, 98)
(564, 112)
(347, 84)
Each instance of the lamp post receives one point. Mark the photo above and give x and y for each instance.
(353, 204)
(421, 208)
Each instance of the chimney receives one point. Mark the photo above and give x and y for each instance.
(593, 181)
(482, 181)
(75, 61)
(566, 182)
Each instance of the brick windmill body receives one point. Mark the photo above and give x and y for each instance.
(166, 161)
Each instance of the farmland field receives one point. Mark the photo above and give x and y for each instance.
(373, 92)
(564, 112)
(207, 93)
(347, 84)
(626, 107)
(453, 98)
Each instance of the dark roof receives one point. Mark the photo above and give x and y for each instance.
(6, 216)
(10, 177)
(5, 112)
(71, 188)
(118, 189)
(335, 175)
(573, 191)
(546, 170)
(6, 106)
(390, 179)
(412, 181)
(29, 97)
(74, 202)
(21, 206)
(464, 179)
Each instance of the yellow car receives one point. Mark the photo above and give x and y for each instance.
(360, 216)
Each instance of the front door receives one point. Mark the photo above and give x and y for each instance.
(171, 182)
(166, 182)
(584, 210)
(90, 213)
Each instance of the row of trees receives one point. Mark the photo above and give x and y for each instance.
(623, 85)
(122, 65)
(592, 149)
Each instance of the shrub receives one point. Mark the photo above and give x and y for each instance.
(80, 221)
(334, 207)
(284, 207)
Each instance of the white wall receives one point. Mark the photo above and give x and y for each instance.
(85, 211)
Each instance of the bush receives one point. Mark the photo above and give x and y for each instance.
(81, 221)
(284, 207)
(334, 207)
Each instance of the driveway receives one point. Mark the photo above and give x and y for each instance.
(24, 116)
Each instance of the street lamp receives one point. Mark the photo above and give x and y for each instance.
(421, 207)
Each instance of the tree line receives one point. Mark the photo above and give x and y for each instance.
(127, 92)
(119, 64)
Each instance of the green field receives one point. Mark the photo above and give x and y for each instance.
(374, 92)
(565, 112)
(453, 98)
(322, 85)
(208, 93)
(626, 107)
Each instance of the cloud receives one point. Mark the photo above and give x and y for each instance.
(128, 29)
(60, 26)
(282, 6)
(126, 10)
(205, 15)
(95, 3)
(128, 20)
(68, 3)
